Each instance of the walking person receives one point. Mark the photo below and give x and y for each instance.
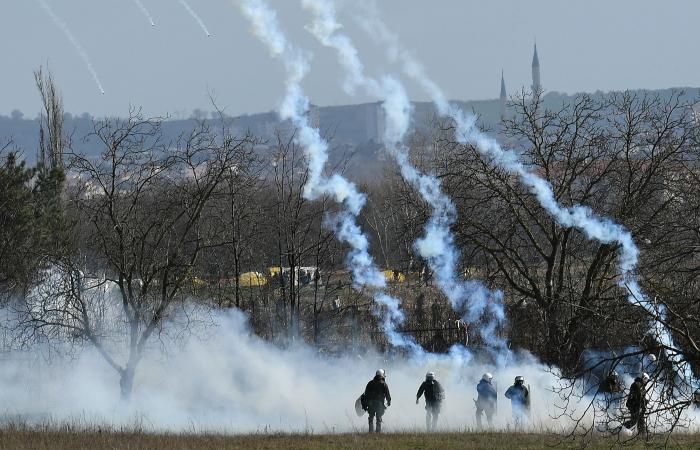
(519, 396)
(434, 395)
(375, 393)
(486, 401)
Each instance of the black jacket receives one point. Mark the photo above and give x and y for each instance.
(433, 391)
(376, 391)
(636, 399)
(519, 395)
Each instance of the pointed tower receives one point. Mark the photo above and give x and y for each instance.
(503, 98)
(536, 84)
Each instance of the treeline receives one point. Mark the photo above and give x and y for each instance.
(105, 249)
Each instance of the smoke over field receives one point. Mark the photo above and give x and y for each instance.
(221, 281)
(227, 379)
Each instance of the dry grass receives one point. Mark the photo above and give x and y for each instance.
(18, 438)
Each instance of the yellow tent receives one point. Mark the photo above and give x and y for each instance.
(198, 281)
(389, 275)
(249, 279)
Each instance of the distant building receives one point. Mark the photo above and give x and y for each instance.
(536, 83)
(314, 116)
(374, 122)
(503, 99)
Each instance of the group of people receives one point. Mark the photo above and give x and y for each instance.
(377, 398)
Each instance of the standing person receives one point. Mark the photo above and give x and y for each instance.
(486, 401)
(612, 390)
(519, 396)
(376, 391)
(637, 403)
(434, 394)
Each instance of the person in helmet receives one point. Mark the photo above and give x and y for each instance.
(486, 400)
(375, 393)
(637, 403)
(434, 395)
(611, 389)
(519, 396)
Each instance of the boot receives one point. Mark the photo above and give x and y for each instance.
(371, 424)
(379, 425)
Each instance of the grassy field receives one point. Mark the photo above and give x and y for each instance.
(26, 439)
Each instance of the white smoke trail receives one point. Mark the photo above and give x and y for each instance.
(294, 107)
(579, 216)
(195, 16)
(437, 244)
(64, 27)
(145, 12)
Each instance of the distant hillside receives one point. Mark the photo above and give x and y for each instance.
(355, 129)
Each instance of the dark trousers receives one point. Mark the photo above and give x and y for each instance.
(636, 419)
(378, 413)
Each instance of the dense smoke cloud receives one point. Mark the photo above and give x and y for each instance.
(224, 378)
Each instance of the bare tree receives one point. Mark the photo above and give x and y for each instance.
(52, 139)
(630, 157)
(140, 208)
(237, 210)
(295, 223)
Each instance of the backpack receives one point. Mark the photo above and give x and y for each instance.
(439, 392)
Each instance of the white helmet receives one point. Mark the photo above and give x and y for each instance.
(645, 377)
(487, 377)
(520, 378)
(430, 376)
(652, 358)
(380, 373)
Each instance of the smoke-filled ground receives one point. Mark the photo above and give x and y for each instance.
(229, 380)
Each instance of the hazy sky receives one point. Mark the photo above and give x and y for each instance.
(584, 45)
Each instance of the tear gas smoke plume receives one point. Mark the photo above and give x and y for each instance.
(79, 48)
(294, 107)
(226, 379)
(437, 244)
(195, 16)
(581, 217)
(220, 377)
(145, 12)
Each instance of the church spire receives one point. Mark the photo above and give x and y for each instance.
(503, 98)
(536, 84)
